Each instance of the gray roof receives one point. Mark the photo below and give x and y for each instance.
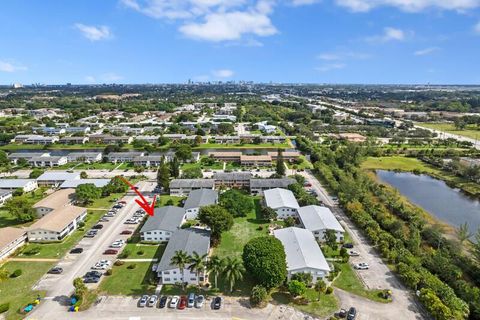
(58, 176)
(271, 183)
(75, 183)
(316, 218)
(278, 198)
(84, 154)
(188, 240)
(5, 192)
(232, 176)
(148, 158)
(301, 249)
(167, 218)
(50, 158)
(123, 154)
(14, 183)
(192, 183)
(26, 155)
(201, 197)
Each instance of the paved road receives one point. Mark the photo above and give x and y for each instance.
(445, 135)
(59, 287)
(378, 276)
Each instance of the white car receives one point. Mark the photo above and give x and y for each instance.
(152, 301)
(199, 301)
(116, 244)
(174, 302)
(361, 266)
(353, 253)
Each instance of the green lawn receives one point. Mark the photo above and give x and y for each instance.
(94, 166)
(124, 281)
(397, 163)
(305, 164)
(324, 307)
(215, 166)
(7, 220)
(470, 131)
(18, 291)
(349, 281)
(163, 199)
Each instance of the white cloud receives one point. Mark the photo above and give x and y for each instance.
(297, 3)
(6, 66)
(229, 26)
(389, 34)
(426, 51)
(94, 33)
(331, 66)
(90, 79)
(329, 56)
(409, 5)
(476, 28)
(223, 73)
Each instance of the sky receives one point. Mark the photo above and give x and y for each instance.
(289, 41)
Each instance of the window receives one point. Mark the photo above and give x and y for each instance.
(166, 279)
(193, 279)
(166, 272)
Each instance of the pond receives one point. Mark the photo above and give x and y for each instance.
(436, 197)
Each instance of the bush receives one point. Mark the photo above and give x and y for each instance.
(125, 253)
(17, 273)
(4, 307)
(258, 296)
(260, 228)
(140, 252)
(119, 263)
(329, 290)
(81, 224)
(132, 266)
(296, 288)
(109, 272)
(187, 225)
(32, 251)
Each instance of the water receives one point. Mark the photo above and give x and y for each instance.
(436, 197)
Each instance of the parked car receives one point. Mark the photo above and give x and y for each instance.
(126, 232)
(143, 301)
(361, 266)
(97, 274)
(342, 313)
(98, 226)
(191, 300)
(104, 219)
(122, 202)
(174, 302)
(76, 250)
(55, 270)
(217, 303)
(199, 301)
(91, 280)
(152, 301)
(352, 314)
(110, 251)
(348, 245)
(353, 253)
(163, 302)
(307, 184)
(183, 303)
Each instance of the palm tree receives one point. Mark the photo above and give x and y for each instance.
(181, 259)
(463, 233)
(215, 266)
(197, 264)
(320, 287)
(233, 269)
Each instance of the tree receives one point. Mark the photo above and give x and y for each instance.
(116, 185)
(198, 263)
(296, 288)
(174, 168)
(289, 222)
(4, 274)
(163, 176)
(320, 287)
(163, 140)
(215, 266)
(83, 175)
(268, 213)
(183, 152)
(344, 254)
(463, 233)
(330, 238)
(87, 192)
(236, 202)
(35, 173)
(476, 246)
(181, 259)
(4, 158)
(303, 277)
(233, 270)
(264, 258)
(258, 295)
(216, 218)
(192, 173)
(280, 166)
(198, 140)
(20, 208)
(80, 288)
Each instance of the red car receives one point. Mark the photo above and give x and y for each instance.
(122, 202)
(126, 232)
(110, 251)
(183, 303)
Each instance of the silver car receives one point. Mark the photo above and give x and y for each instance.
(143, 301)
(152, 301)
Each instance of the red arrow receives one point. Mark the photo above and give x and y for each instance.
(149, 208)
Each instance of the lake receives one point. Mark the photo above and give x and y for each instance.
(435, 196)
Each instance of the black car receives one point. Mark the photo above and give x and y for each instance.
(96, 274)
(352, 314)
(91, 280)
(348, 245)
(163, 302)
(97, 226)
(217, 303)
(76, 250)
(55, 270)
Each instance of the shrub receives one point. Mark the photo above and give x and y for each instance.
(329, 290)
(296, 288)
(258, 296)
(109, 272)
(81, 224)
(17, 273)
(132, 266)
(4, 307)
(260, 228)
(187, 225)
(140, 252)
(32, 251)
(119, 263)
(125, 253)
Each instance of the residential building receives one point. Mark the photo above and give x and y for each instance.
(227, 139)
(88, 157)
(232, 179)
(83, 130)
(254, 161)
(273, 139)
(22, 138)
(257, 186)
(264, 127)
(11, 240)
(231, 156)
(289, 156)
(54, 201)
(318, 220)
(56, 178)
(49, 130)
(148, 161)
(4, 196)
(51, 161)
(15, 156)
(115, 157)
(282, 201)
(183, 187)
(188, 240)
(75, 183)
(223, 117)
(197, 199)
(26, 185)
(56, 225)
(41, 140)
(73, 140)
(149, 139)
(109, 139)
(165, 222)
(303, 253)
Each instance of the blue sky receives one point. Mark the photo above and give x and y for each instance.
(159, 41)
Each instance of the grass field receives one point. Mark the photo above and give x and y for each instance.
(125, 281)
(326, 305)
(471, 131)
(8, 220)
(349, 281)
(163, 199)
(397, 163)
(18, 291)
